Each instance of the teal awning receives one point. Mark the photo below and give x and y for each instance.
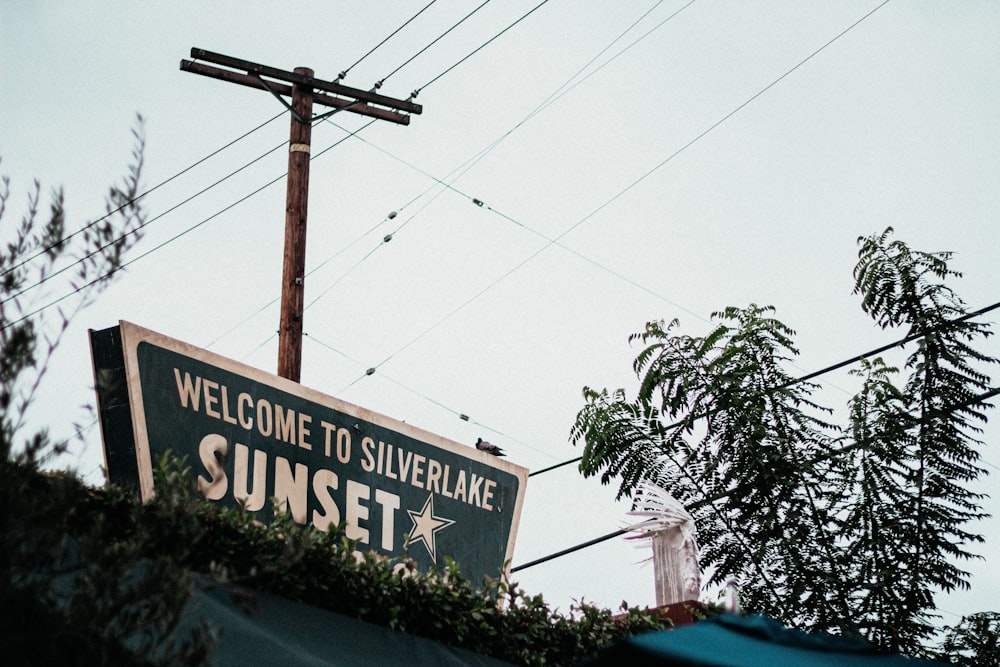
(262, 629)
(746, 641)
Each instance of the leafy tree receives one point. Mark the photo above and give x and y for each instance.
(843, 528)
(69, 594)
(38, 250)
(974, 642)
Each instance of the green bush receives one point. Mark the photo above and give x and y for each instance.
(101, 565)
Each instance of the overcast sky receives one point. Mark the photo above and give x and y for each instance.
(716, 154)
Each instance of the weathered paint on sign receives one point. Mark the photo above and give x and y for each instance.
(254, 439)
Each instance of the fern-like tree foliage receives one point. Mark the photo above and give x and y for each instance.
(973, 642)
(845, 528)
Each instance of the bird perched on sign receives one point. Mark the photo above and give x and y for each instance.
(488, 447)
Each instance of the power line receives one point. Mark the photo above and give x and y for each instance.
(49, 276)
(238, 170)
(552, 98)
(176, 236)
(326, 261)
(470, 162)
(566, 87)
(482, 46)
(378, 85)
(725, 494)
(386, 239)
(381, 81)
(629, 187)
(803, 378)
(343, 74)
(465, 167)
(556, 240)
(453, 27)
(437, 180)
(99, 249)
(52, 246)
(145, 224)
(308, 273)
(461, 415)
(809, 376)
(831, 368)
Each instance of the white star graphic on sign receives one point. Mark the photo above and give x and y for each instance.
(426, 526)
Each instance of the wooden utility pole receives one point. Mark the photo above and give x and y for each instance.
(296, 207)
(304, 91)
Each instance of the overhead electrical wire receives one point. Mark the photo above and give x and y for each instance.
(628, 188)
(482, 46)
(487, 207)
(605, 204)
(381, 81)
(439, 181)
(829, 369)
(462, 169)
(341, 76)
(390, 236)
(202, 160)
(145, 224)
(992, 393)
(567, 87)
(462, 416)
(308, 273)
(60, 299)
(51, 246)
(471, 163)
(175, 237)
(344, 72)
(823, 371)
(465, 167)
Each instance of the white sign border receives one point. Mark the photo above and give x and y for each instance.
(133, 334)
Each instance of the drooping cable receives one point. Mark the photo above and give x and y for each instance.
(439, 181)
(461, 415)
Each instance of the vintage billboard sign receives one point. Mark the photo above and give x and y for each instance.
(256, 440)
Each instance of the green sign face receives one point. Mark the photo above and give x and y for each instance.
(257, 440)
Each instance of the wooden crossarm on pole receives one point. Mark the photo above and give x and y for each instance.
(254, 81)
(305, 91)
(252, 68)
